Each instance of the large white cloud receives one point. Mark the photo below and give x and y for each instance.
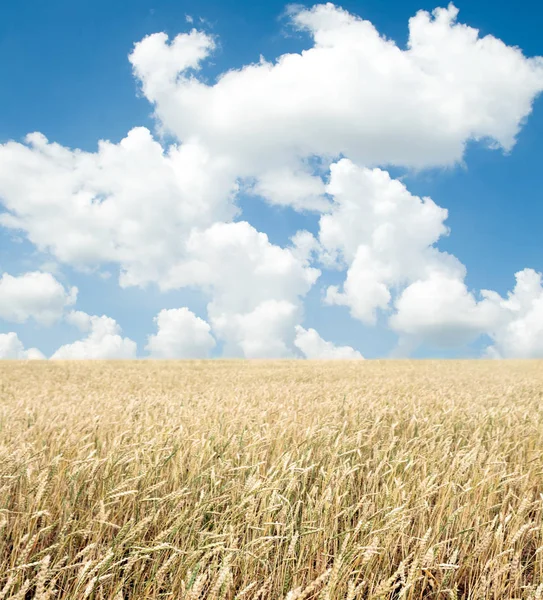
(386, 238)
(241, 267)
(352, 92)
(130, 203)
(103, 339)
(163, 217)
(312, 346)
(34, 295)
(165, 214)
(519, 331)
(255, 287)
(267, 331)
(383, 234)
(441, 311)
(12, 347)
(181, 334)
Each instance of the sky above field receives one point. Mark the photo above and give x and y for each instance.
(264, 180)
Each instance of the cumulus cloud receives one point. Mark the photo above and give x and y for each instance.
(312, 346)
(164, 217)
(181, 334)
(157, 63)
(12, 347)
(255, 287)
(34, 295)
(299, 189)
(441, 311)
(264, 332)
(386, 239)
(383, 234)
(279, 130)
(131, 203)
(236, 252)
(519, 331)
(103, 339)
(352, 92)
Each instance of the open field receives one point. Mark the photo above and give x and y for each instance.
(271, 480)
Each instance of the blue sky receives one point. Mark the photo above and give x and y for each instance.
(65, 72)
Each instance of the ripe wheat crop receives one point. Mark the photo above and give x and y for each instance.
(271, 480)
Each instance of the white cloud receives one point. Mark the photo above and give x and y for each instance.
(79, 319)
(305, 246)
(383, 234)
(103, 340)
(157, 62)
(264, 332)
(181, 334)
(165, 215)
(255, 287)
(299, 189)
(241, 268)
(312, 346)
(519, 332)
(441, 311)
(131, 203)
(12, 347)
(34, 295)
(386, 238)
(352, 92)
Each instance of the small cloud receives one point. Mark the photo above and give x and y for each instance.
(181, 334)
(205, 22)
(103, 340)
(312, 346)
(12, 347)
(37, 295)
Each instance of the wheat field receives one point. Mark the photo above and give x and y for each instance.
(271, 480)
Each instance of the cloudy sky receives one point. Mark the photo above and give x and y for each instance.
(189, 180)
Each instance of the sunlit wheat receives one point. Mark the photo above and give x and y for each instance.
(265, 480)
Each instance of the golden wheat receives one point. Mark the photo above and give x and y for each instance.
(271, 480)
